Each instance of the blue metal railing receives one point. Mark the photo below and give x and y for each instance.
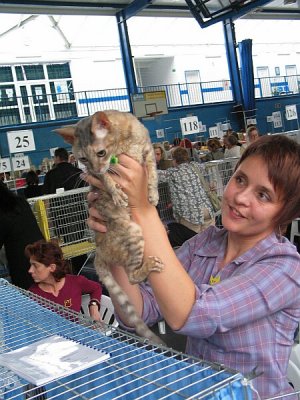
(51, 107)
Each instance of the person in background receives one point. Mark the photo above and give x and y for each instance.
(187, 144)
(252, 134)
(18, 227)
(32, 189)
(167, 150)
(176, 142)
(49, 271)
(235, 292)
(191, 206)
(64, 175)
(159, 153)
(215, 150)
(231, 147)
(72, 160)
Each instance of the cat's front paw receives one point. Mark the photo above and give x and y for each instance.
(120, 198)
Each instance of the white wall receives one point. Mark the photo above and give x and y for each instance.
(174, 45)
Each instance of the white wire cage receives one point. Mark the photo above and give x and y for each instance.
(63, 217)
(135, 369)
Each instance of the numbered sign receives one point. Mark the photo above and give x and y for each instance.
(251, 121)
(20, 141)
(291, 112)
(277, 121)
(5, 165)
(214, 131)
(190, 125)
(20, 163)
(160, 133)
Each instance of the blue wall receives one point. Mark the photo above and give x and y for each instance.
(45, 137)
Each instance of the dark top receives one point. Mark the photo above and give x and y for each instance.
(32, 191)
(64, 175)
(17, 230)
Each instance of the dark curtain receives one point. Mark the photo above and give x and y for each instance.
(247, 76)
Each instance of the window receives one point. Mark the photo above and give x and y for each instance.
(58, 71)
(30, 72)
(7, 95)
(6, 74)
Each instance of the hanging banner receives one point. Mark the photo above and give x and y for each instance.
(190, 125)
(5, 165)
(20, 163)
(19, 141)
(291, 112)
(160, 133)
(214, 131)
(277, 121)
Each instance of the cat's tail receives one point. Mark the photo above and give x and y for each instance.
(134, 320)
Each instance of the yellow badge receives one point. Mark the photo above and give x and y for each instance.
(68, 303)
(214, 279)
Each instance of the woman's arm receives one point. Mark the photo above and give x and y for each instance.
(94, 289)
(173, 279)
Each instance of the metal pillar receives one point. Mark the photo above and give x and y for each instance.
(126, 57)
(234, 73)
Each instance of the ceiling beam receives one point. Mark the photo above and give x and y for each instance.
(19, 25)
(60, 32)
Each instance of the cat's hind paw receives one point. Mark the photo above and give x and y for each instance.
(151, 264)
(154, 264)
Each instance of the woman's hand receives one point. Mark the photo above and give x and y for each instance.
(95, 221)
(131, 178)
(95, 314)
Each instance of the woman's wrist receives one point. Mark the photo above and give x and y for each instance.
(138, 214)
(94, 303)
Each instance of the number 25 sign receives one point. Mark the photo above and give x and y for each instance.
(20, 141)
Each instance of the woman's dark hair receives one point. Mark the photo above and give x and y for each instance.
(176, 141)
(49, 253)
(9, 201)
(282, 157)
(232, 140)
(32, 178)
(214, 144)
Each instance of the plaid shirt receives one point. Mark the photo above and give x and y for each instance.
(187, 194)
(245, 315)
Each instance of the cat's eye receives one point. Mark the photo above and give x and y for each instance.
(83, 160)
(101, 153)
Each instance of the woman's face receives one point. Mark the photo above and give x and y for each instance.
(158, 155)
(250, 203)
(40, 272)
(253, 135)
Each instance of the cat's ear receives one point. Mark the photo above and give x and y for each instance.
(100, 121)
(67, 133)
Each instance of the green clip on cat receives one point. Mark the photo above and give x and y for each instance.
(114, 160)
(97, 141)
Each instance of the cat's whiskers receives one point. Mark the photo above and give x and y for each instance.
(112, 171)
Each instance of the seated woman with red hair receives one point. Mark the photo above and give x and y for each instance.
(49, 270)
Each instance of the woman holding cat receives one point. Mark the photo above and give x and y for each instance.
(239, 302)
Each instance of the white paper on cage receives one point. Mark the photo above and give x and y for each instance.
(52, 358)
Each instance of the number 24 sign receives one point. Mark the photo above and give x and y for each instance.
(20, 141)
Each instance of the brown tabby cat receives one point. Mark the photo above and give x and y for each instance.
(97, 141)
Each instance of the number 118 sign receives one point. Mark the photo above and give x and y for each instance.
(190, 125)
